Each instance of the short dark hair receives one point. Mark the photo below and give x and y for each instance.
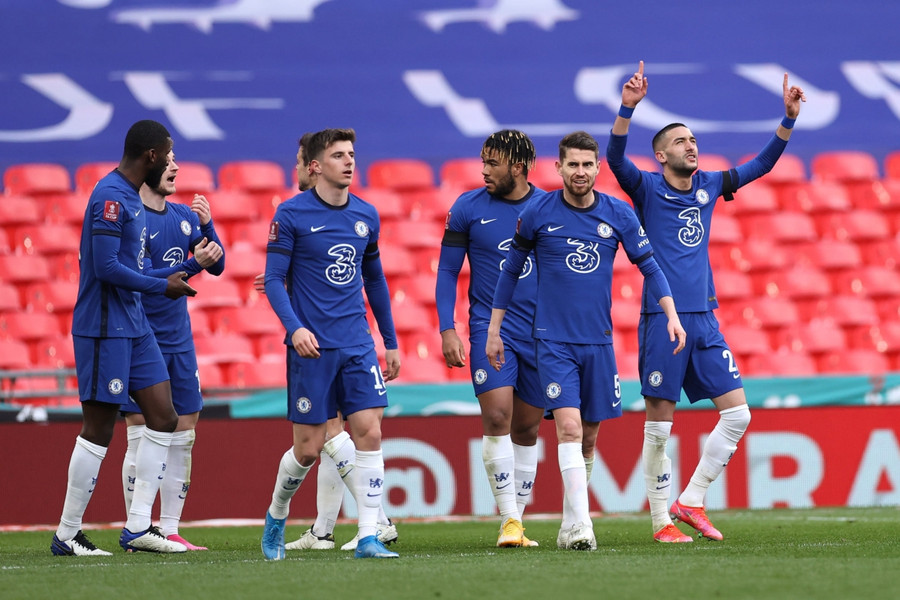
(513, 146)
(303, 142)
(320, 140)
(145, 135)
(578, 140)
(662, 132)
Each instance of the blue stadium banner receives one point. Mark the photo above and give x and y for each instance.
(243, 79)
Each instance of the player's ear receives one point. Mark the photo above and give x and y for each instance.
(315, 167)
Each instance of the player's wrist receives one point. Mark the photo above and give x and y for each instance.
(787, 122)
(626, 111)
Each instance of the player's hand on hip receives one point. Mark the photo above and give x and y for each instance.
(452, 348)
(259, 283)
(494, 351)
(305, 343)
(177, 286)
(200, 206)
(392, 365)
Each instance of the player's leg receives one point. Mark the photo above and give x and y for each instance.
(713, 374)
(662, 375)
(134, 429)
(185, 382)
(103, 369)
(527, 414)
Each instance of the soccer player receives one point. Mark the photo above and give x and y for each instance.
(479, 225)
(339, 448)
(116, 354)
(574, 234)
(676, 209)
(322, 251)
(175, 231)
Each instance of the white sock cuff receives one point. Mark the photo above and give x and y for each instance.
(736, 412)
(494, 447)
(525, 455)
(369, 460)
(94, 449)
(332, 446)
(161, 438)
(135, 432)
(184, 438)
(735, 421)
(291, 466)
(570, 456)
(657, 431)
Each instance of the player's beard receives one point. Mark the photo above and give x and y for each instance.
(154, 176)
(505, 186)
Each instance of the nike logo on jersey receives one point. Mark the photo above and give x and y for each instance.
(554, 228)
(153, 235)
(382, 392)
(315, 229)
(617, 402)
(486, 221)
(668, 197)
(138, 212)
(736, 375)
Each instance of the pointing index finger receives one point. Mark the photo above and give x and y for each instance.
(641, 69)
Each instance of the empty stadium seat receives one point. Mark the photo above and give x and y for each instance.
(814, 337)
(253, 320)
(757, 197)
(732, 285)
(625, 315)
(725, 230)
(256, 374)
(65, 208)
(799, 282)
(829, 255)
(396, 261)
(787, 227)
(465, 173)
(853, 362)
(35, 179)
(10, 299)
(848, 311)
(745, 340)
(88, 174)
(13, 354)
(783, 363)
(223, 348)
(431, 204)
(23, 268)
(400, 174)
(883, 253)
(844, 165)
(390, 205)
(216, 292)
(411, 316)
(48, 238)
(252, 176)
(229, 206)
(627, 284)
(244, 261)
(413, 234)
(254, 232)
(788, 169)
(871, 281)
(54, 353)
(769, 313)
(544, 174)
(269, 346)
(18, 210)
(422, 343)
(5, 244)
(815, 197)
(418, 287)
(856, 226)
(193, 178)
(29, 326)
(53, 296)
(759, 255)
(414, 369)
(211, 378)
(892, 165)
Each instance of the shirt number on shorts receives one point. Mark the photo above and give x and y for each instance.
(732, 368)
(379, 380)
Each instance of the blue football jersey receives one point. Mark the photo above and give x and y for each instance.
(326, 245)
(574, 249)
(485, 225)
(172, 234)
(106, 308)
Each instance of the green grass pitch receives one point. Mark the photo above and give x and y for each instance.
(839, 553)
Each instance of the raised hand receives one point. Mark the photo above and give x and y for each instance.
(793, 95)
(200, 206)
(178, 287)
(635, 88)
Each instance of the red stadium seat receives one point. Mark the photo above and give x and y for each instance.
(829, 255)
(725, 230)
(23, 268)
(627, 365)
(892, 165)
(88, 174)
(881, 195)
(216, 292)
(14, 354)
(853, 362)
(418, 287)
(5, 245)
(414, 369)
(844, 165)
(625, 315)
(782, 227)
(758, 255)
(47, 239)
(627, 284)
(464, 173)
(757, 197)
(769, 313)
(815, 197)
(400, 174)
(29, 326)
(544, 174)
(856, 226)
(882, 253)
(814, 337)
(193, 178)
(223, 348)
(396, 261)
(257, 319)
(10, 299)
(244, 261)
(413, 234)
(390, 205)
(228, 206)
(51, 296)
(422, 343)
(211, 378)
(788, 169)
(732, 285)
(714, 162)
(19, 210)
(36, 179)
(54, 353)
(411, 316)
(430, 204)
(65, 208)
(270, 346)
(745, 340)
(254, 232)
(252, 176)
(255, 374)
(848, 311)
(799, 283)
